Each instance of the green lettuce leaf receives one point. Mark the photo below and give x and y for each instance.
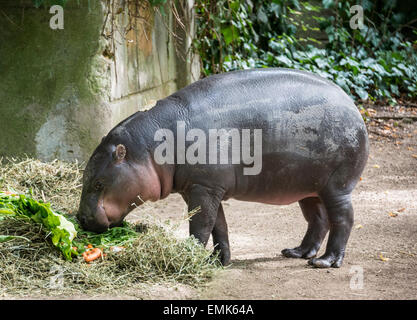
(62, 231)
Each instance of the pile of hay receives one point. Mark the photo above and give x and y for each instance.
(57, 182)
(36, 267)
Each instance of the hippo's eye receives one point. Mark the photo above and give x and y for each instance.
(98, 185)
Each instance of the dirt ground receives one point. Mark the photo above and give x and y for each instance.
(383, 242)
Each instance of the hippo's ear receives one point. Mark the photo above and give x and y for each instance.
(120, 152)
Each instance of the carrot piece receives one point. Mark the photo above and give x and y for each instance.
(92, 254)
(90, 246)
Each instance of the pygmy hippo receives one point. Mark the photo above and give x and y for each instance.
(272, 136)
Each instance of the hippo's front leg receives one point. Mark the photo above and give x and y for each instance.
(221, 237)
(208, 219)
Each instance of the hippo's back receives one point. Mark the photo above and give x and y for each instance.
(246, 88)
(299, 112)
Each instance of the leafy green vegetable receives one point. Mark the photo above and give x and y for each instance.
(4, 238)
(64, 231)
(117, 236)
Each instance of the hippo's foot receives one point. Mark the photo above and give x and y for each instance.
(300, 252)
(327, 261)
(223, 256)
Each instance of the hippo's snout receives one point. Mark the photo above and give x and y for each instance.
(96, 222)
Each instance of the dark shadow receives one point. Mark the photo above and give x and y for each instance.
(247, 262)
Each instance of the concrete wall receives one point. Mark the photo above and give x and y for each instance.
(62, 90)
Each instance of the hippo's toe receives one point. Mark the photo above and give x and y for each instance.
(223, 256)
(327, 261)
(299, 252)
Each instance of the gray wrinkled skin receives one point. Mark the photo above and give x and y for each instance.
(314, 149)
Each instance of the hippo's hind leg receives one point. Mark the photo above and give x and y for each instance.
(336, 198)
(316, 216)
(340, 214)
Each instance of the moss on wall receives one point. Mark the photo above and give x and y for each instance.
(44, 72)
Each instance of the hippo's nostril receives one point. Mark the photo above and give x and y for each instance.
(91, 223)
(82, 220)
(79, 217)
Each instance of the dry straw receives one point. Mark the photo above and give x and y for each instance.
(35, 267)
(57, 182)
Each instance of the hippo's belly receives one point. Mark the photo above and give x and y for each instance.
(285, 178)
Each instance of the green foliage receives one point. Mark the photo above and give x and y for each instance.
(60, 230)
(48, 3)
(369, 63)
(232, 34)
(5, 238)
(117, 236)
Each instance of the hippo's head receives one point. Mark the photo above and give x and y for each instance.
(116, 180)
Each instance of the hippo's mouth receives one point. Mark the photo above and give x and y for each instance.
(101, 216)
(113, 213)
(101, 210)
